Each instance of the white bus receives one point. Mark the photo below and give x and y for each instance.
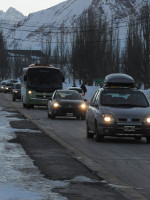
(38, 84)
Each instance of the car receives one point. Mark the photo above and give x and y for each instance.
(78, 89)
(16, 93)
(66, 103)
(8, 87)
(118, 109)
(2, 85)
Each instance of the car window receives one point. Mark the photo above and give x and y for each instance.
(126, 98)
(76, 89)
(95, 97)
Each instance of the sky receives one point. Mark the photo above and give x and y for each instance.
(28, 6)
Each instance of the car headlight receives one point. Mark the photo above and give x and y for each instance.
(147, 120)
(108, 119)
(56, 105)
(29, 92)
(83, 106)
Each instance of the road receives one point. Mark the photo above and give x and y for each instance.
(122, 162)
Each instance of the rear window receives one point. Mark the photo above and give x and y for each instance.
(69, 95)
(76, 89)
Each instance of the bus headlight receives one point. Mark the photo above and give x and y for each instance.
(30, 92)
(147, 120)
(108, 119)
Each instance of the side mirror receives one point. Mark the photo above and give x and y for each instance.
(94, 104)
(25, 78)
(50, 99)
(63, 79)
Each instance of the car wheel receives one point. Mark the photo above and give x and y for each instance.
(137, 137)
(14, 99)
(52, 116)
(148, 140)
(83, 117)
(49, 116)
(88, 134)
(98, 137)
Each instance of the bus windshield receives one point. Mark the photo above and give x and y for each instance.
(46, 78)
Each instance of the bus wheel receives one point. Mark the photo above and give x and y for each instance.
(24, 105)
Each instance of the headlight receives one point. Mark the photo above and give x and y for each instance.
(16, 91)
(108, 119)
(29, 92)
(83, 106)
(147, 120)
(56, 105)
(7, 88)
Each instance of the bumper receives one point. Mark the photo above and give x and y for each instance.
(38, 101)
(124, 130)
(72, 112)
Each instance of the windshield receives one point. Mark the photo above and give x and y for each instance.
(69, 95)
(17, 86)
(47, 78)
(124, 98)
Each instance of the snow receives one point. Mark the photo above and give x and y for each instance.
(19, 178)
(34, 30)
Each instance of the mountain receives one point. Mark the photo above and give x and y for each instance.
(9, 19)
(11, 15)
(33, 32)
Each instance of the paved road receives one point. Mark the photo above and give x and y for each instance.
(123, 163)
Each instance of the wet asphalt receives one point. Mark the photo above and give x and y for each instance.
(57, 163)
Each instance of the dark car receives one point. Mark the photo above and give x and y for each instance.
(16, 93)
(118, 109)
(8, 87)
(66, 103)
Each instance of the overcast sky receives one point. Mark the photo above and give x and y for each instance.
(28, 6)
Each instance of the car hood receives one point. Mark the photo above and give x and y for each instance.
(133, 112)
(69, 101)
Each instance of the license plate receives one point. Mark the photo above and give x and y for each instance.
(129, 128)
(69, 114)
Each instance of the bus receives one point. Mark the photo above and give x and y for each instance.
(38, 84)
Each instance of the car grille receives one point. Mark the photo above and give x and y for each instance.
(43, 96)
(134, 120)
(70, 105)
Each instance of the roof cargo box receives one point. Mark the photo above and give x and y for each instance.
(120, 80)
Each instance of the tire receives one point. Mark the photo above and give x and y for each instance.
(83, 117)
(98, 137)
(88, 134)
(14, 99)
(52, 116)
(24, 105)
(49, 116)
(148, 140)
(137, 137)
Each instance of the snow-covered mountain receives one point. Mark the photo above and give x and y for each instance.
(11, 15)
(34, 31)
(9, 18)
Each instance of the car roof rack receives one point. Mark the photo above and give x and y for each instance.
(119, 80)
